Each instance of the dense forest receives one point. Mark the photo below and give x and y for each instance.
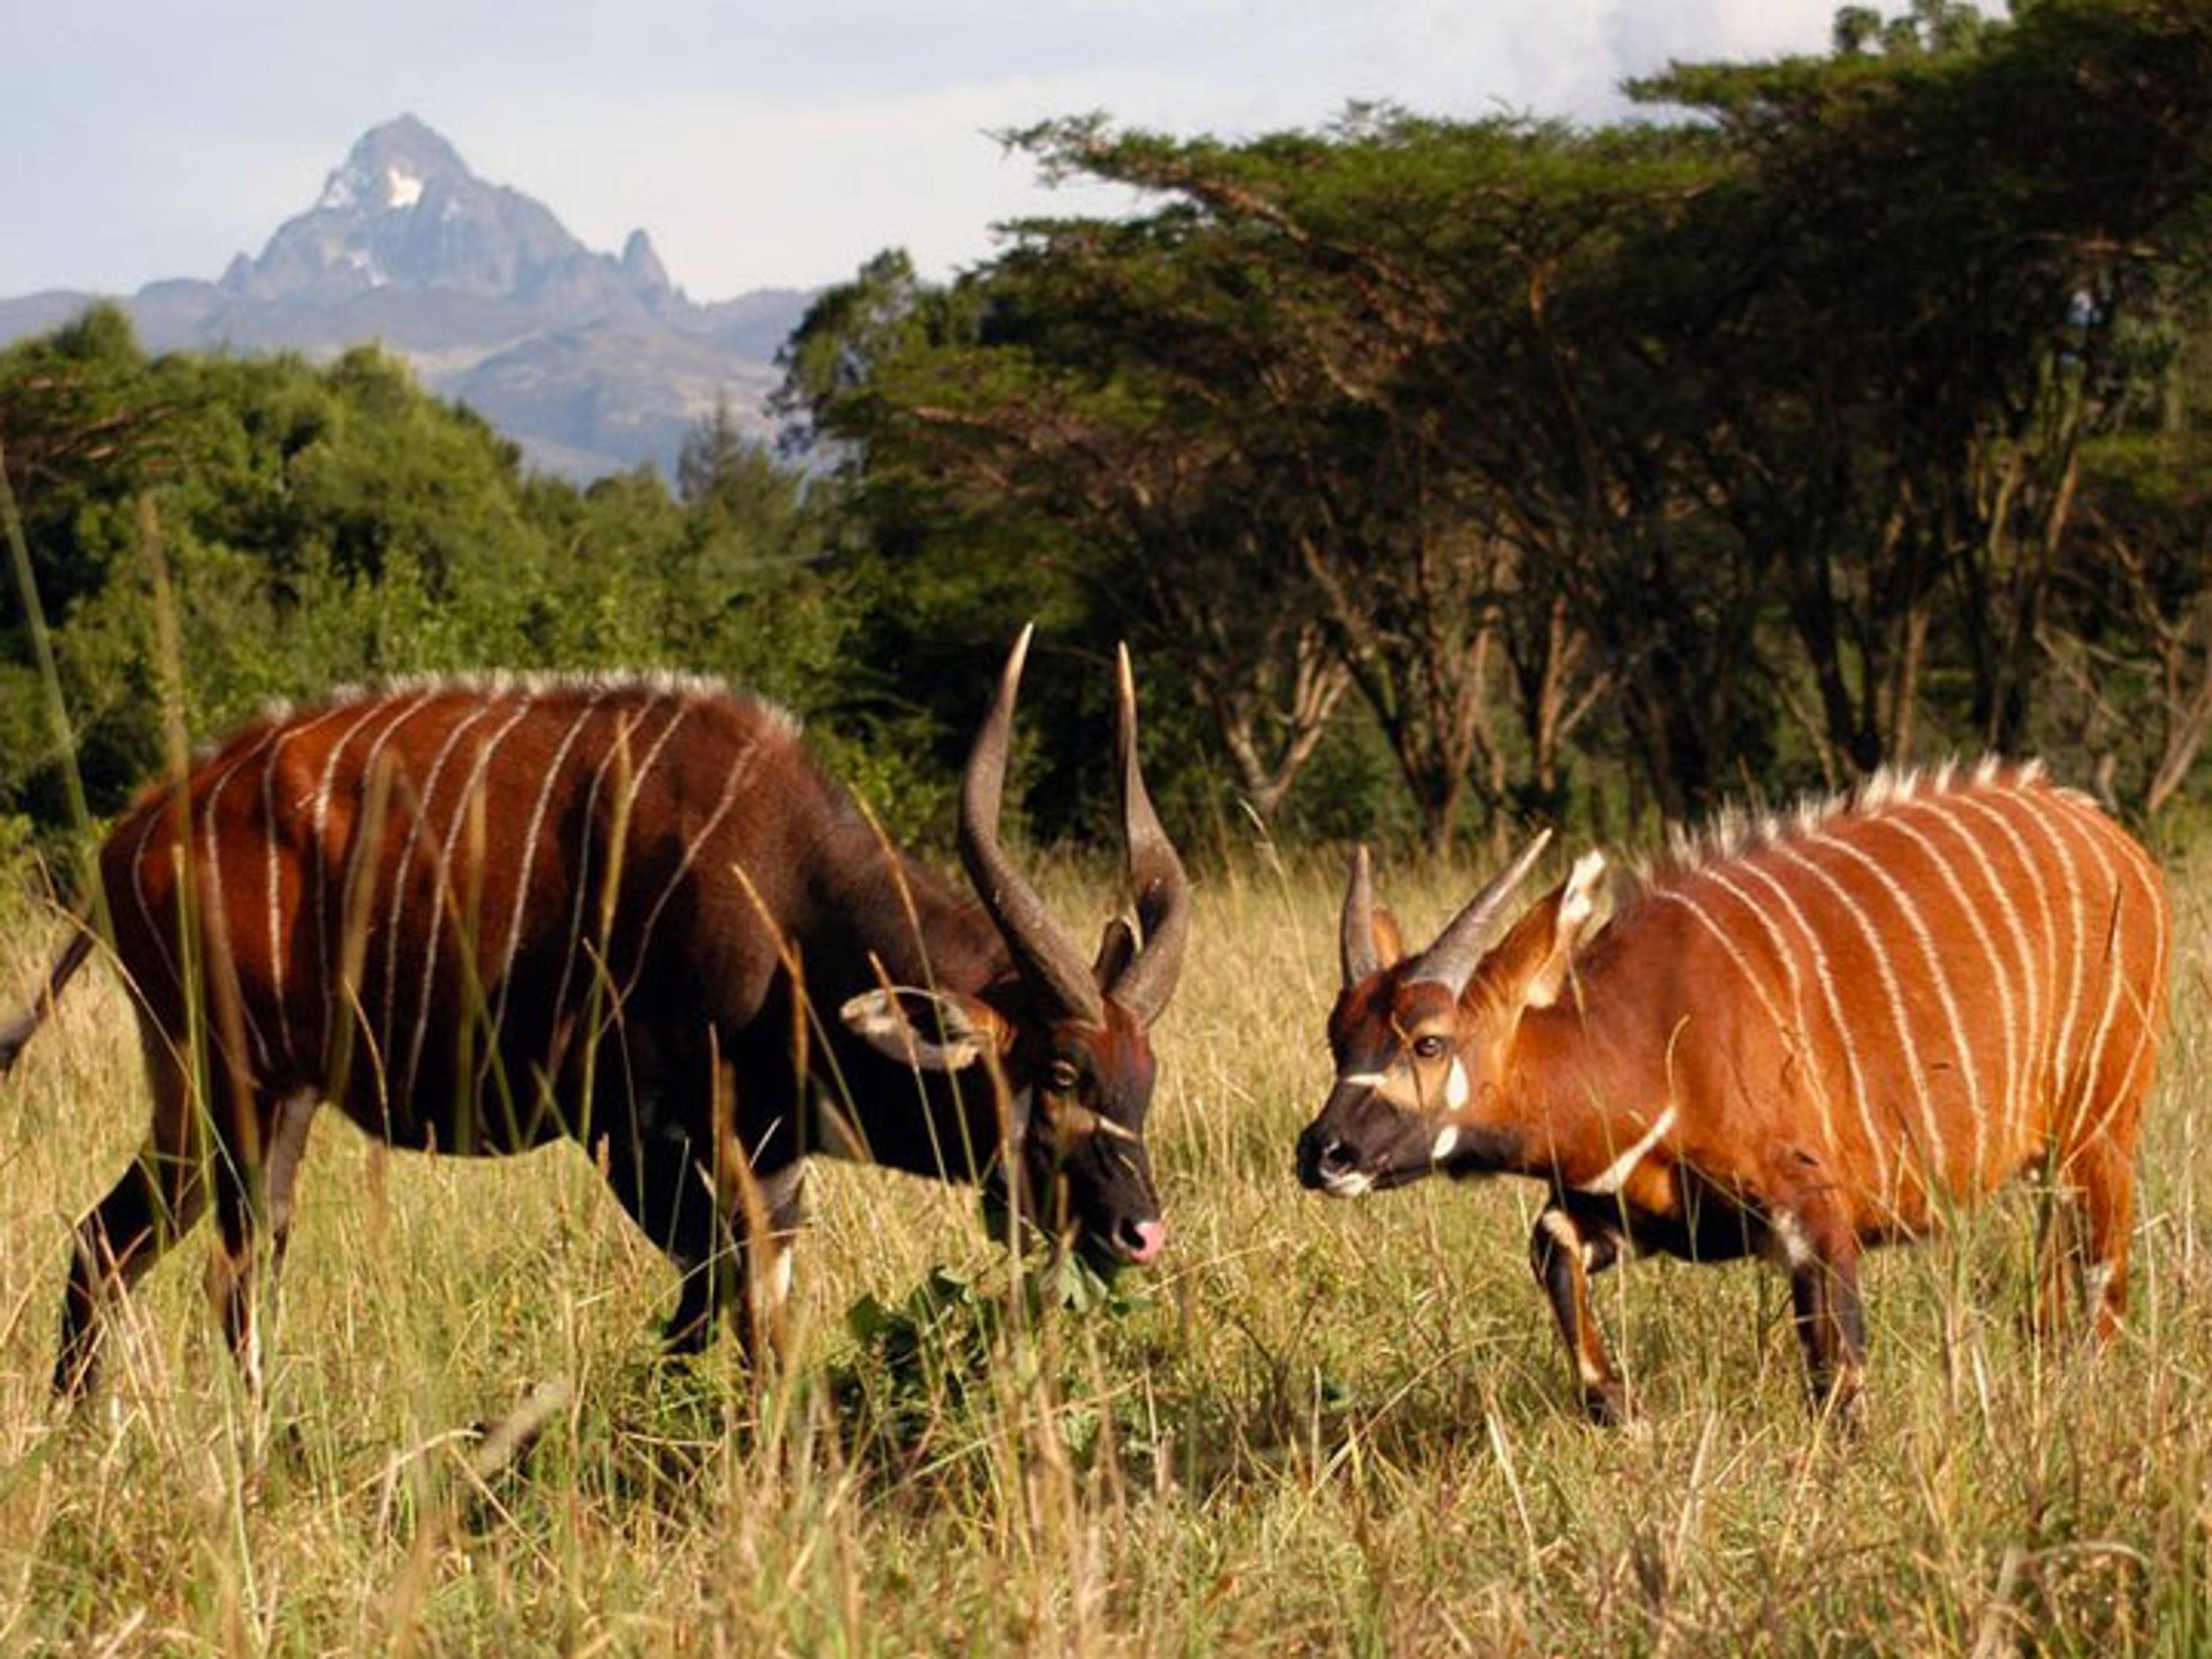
(1834, 412)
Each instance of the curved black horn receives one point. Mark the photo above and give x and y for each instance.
(1043, 951)
(1451, 959)
(1356, 940)
(1163, 890)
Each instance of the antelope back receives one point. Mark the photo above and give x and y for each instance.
(1926, 985)
(1965, 970)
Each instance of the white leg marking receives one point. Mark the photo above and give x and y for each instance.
(1790, 1235)
(2096, 1284)
(779, 1278)
(1561, 1226)
(1616, 1174)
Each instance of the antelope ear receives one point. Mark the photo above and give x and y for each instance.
(930, 1031)
(1389, 942)
(1531, 963)
(1116, 950)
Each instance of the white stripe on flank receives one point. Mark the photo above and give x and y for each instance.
(2105, 938)
(2042, 1020)
(1961, 1045)
(625, 727)
(1877, 1143)
(741, 771)
(280, 981)
(2020, 1097)
(529, 835)
(1797, 1036)
(1906, 1037)
(401, 713)
(1675, 896)
(1949, 877)
(1744, 966)
(212, 853)
(636, 783)
(2062, 1069)
(402, 869)
(1615, 1175)
(2150, 998)
(156, 812)
(484, 753)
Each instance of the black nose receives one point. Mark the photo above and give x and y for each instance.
(1323, 1157)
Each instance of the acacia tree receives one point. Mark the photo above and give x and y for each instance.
(999, 403)
(1942, 242)
(1495, 530)
(1647, 441)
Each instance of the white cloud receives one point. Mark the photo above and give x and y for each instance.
(758, 143)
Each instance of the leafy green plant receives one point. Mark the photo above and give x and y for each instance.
(923, 1367)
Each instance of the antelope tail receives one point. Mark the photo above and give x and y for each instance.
(19, 1030)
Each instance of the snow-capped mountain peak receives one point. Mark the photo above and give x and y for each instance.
(404, 210)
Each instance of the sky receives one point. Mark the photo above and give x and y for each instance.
(760, 146)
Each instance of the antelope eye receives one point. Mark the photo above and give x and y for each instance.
(1430, 1046)
(1062, 1078)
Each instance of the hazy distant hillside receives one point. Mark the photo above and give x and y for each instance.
(592, 361)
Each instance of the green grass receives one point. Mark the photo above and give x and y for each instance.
(1316, 1426)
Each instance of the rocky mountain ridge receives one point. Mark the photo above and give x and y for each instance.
(592, 362)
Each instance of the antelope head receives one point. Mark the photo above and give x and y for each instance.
(1422, 1044)
(1068, 1043)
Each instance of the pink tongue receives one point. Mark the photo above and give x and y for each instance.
(1152, 1237)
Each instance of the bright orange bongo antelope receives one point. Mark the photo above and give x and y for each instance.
(1797, 1036)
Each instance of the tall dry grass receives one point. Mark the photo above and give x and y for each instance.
(1316, 1426)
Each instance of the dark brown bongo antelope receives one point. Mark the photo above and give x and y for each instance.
(632, 913)
(1796, 1037)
